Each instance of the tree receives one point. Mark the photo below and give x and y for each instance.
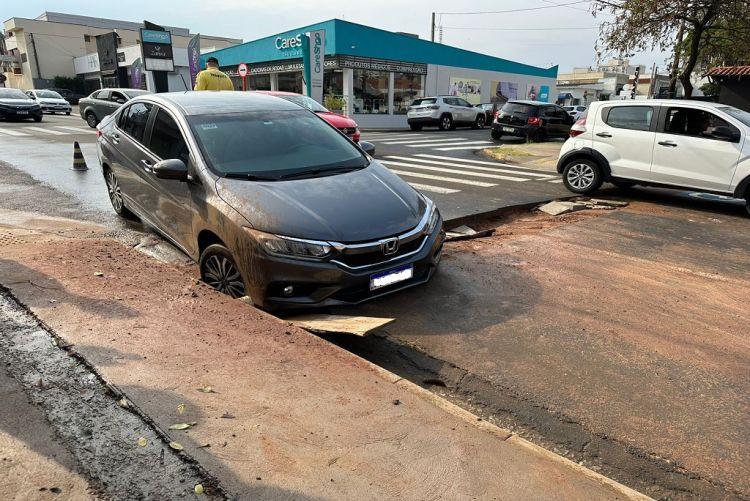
(711, 89)
(688, 28)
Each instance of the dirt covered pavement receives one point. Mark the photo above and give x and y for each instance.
(270, 411)
(619, 339)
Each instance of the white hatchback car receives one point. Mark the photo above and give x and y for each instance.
(692, 145)
(444, 111)
(50, 101)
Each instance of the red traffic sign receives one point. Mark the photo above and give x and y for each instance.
(242, 70)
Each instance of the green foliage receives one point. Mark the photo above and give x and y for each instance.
(334, 103)
(73, 84)
(711, 89)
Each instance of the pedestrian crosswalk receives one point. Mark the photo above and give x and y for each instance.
(42, 129)
(448, 175)
(439, 141)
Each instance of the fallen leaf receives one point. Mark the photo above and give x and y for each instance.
(123, 402)
(142, 441)
(206, 389)
(198, 489)
(176, 446)
(99, 274)
(181, 426)
(227, 415)
(204, 446)
(181, 408)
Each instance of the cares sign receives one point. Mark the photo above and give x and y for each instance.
(289, 43)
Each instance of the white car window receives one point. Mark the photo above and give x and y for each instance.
(630, 117)
(694, 122)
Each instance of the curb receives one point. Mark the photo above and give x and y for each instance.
(458, 221)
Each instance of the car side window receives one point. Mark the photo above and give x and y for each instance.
(451, 101)
(117, 96)
(694, 122)
(630, 117)
(463, 102)
(133, 120)
(167, 141)
(102, 94)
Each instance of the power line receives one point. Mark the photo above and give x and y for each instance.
(516, 29)
(515, 10)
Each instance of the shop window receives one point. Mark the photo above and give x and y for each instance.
(406, 88)
(259, 82)
(333, 90)
(370, 91)
(291, 82)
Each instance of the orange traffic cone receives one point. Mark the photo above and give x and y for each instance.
(79, 163)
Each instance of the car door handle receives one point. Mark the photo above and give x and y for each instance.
(668, 143)
(147, 165)
(604, 134)
(116, 138)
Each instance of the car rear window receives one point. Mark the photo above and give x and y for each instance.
(272, 143)
(422, 102)
(517, 109)
(630, 117)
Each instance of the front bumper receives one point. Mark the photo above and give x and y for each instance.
(56, 108)
(20, 113)
(322, 284)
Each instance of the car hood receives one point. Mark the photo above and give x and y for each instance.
(17, 102)
(338, 121)
(358, 206)
(52, 100)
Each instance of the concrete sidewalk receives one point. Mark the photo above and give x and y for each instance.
(291, 415)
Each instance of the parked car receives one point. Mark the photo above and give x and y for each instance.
(445, 112)
(342, 123)
(694, 145)
(15, 105)
(67, 94)
(575, 111)
(271, 200)
(534, 120)
(490, 109)
(103, 102)
(50, 101)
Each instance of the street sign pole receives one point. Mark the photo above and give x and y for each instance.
(242, 70)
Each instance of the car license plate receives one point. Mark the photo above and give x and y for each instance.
(391, 277)
(22, 113)
(508, 129)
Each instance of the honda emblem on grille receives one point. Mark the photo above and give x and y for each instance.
(389, 246)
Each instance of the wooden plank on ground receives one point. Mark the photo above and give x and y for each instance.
(339, 324)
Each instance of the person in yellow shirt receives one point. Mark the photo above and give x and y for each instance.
(212, 78)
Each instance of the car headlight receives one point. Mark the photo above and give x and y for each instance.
(434, 218)
(297, 248)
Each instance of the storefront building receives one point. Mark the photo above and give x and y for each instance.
(374, 74)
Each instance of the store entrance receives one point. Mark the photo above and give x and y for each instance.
(290, 82)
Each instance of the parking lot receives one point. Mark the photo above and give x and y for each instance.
(615, 339)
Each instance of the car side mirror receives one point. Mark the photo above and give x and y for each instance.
(368, 147)
(723, 133)
(172, 168)
(120, 101)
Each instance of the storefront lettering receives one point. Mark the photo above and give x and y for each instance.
(316, 50)
(289, 43)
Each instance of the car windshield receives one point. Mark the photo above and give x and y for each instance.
(421, 102)
(135, 93)
(273, 144)
(306, 102)
(12, 94)
(741, 115)
(48, 94)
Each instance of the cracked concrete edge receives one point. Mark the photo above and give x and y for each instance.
(503, 434)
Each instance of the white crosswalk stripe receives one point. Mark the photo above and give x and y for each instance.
(455, 162)
(79, 130)
(453, 171)
(11, 132)
(47, 131)
(421, 141)
(462, 148)
(443, 178)
(433, 189)
(443, 143)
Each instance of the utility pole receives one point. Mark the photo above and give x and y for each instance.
(36, 59)
(432, 28)
(672, 92)
(652, 83)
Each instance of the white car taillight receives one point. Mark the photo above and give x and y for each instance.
(578, 128)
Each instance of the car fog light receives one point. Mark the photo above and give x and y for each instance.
(288, 290)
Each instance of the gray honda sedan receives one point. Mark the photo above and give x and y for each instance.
(272, 201)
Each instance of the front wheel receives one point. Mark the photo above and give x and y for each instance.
(495, 134)
(38, 119)
(479, 122)
(747, 204)
(67, 113)
(582, 176)
(219, 270)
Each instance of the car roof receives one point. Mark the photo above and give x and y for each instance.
(217, 102)
(531, 103)
(668, 102)
(277, 93)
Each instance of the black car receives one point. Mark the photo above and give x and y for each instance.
(68, 95)
(15, 105)
(489, 111)
(533, 120)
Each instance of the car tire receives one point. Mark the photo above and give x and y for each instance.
(495, 134)
(623, 185)
(747, 202)
(582, 176)
(115, 195)
(38, 119)
(415, 127)
(91, 119)
(479, 122)
(67, 113)
(446, 122)
(219, 270)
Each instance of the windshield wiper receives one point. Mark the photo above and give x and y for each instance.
(248, 176)
(315, 172)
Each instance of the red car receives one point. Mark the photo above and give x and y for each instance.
(342, 123)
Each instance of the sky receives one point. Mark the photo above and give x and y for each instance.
(546, 36)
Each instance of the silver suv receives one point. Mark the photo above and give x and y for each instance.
(692, 145)
(445, 112)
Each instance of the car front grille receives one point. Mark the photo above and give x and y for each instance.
(377, 257)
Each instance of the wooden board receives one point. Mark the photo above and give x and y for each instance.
(339, 324)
